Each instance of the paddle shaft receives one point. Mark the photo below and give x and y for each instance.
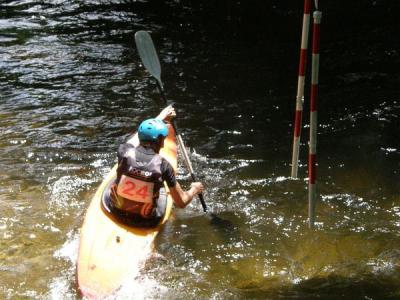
(182, 146)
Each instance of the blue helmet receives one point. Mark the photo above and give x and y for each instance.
(151, 129)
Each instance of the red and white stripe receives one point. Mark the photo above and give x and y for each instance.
(300, 88)
(312, 157)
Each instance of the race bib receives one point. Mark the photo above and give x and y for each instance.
(136, 190)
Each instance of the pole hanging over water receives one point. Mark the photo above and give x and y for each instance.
(300, 88)
(312, 157)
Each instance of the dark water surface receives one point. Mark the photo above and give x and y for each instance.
(72, 88)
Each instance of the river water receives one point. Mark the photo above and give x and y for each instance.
(72, 88)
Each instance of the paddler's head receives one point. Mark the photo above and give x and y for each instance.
(152, 133)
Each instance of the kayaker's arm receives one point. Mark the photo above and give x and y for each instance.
(167, 114)
(183, 198)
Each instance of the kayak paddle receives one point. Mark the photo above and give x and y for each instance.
(149, 57)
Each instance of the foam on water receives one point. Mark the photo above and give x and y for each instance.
(69, 251)
(62, 287)
(66, 188)
(139, 288)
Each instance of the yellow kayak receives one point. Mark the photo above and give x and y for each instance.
(110, 252)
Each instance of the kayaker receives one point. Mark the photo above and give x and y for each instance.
(137, 197)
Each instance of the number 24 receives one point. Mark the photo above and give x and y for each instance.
(130, 190)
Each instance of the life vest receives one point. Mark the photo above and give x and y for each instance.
(138, 184)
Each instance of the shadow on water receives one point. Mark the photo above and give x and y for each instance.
(367, 286)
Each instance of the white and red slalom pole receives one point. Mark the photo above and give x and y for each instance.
(300, 88)
(312, 157)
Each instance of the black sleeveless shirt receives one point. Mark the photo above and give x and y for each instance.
(138, 169)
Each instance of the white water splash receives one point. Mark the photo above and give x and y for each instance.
(65, 189)
(61, 287)
(139, 288)
(69, 251)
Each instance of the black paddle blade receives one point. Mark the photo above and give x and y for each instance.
(221, 223)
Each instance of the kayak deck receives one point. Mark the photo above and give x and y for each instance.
(110, 252)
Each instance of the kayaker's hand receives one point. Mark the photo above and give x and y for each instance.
(197, 187)
(167, 114)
